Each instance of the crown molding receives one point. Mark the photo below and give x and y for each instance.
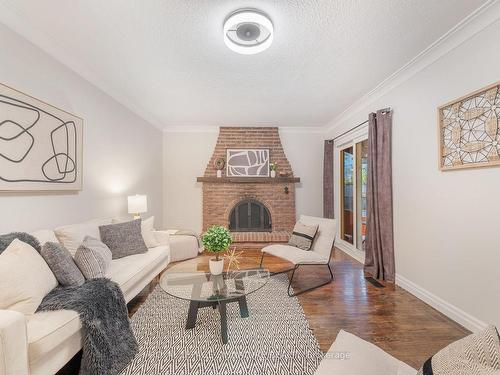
(191, 129)
(475, 22)
(215, 129)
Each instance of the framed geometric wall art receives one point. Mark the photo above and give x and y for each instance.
(246, 162)
(469, 130)
(40, 145)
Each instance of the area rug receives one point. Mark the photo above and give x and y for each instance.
(274, 339)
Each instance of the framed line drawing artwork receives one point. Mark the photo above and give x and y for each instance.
(41, 146)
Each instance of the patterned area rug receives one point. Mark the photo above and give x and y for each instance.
(275, 339)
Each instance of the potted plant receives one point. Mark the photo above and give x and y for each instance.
(216, 240)
(274, 168)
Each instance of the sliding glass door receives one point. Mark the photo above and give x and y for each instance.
(347, 199)
(353, 179)
(361, 180)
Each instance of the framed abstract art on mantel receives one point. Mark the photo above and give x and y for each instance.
(469, 130)
(41, 146)
(247, 162)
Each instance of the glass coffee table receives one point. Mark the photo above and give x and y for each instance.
(191, 280)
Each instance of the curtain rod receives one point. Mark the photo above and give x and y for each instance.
(348, 131)
(385, 110)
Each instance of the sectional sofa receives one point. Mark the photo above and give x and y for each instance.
(44, 342)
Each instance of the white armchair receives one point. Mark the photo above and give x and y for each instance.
(320, 253)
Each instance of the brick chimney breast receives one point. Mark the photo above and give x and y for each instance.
(219, 198)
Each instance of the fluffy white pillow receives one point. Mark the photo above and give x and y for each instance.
(25, 278)
(147, 231)
(71, 236)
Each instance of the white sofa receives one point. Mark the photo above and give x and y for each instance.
(44, 342)
(350, 355)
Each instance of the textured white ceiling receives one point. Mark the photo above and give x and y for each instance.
(166, 59)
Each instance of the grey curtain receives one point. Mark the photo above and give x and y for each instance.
(379, 244)
(328, 180)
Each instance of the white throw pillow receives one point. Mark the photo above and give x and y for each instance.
(25, 278)
(147, 231)
(45, 235)
(71, 236)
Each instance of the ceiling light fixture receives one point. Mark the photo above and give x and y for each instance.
(248, 31)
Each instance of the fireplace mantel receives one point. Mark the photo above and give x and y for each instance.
(249, 180)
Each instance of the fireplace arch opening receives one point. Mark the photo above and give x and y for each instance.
(250, 215)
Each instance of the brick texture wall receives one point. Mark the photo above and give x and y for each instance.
(220, 198)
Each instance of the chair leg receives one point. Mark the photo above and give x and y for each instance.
(312, 288)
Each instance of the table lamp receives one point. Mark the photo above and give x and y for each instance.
(137, 204)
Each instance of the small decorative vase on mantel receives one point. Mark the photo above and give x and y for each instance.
(216, 240)
(274, 168)
(219, 173)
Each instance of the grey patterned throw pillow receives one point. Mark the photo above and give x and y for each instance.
(123, 239)
(476, 354)
(93, 258)
(61, 264)
(303, 236)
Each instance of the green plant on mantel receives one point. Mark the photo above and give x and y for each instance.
(274, 166)
(217, 240)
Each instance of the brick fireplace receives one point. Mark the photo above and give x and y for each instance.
(256, 196)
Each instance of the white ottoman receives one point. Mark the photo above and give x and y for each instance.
(183, 246)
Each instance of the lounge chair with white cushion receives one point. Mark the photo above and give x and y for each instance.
(320, 253)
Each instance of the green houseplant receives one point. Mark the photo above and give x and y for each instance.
(216, 240)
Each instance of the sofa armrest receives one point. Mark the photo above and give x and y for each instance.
(162, 236)
(13, 343)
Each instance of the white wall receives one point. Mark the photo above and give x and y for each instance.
(186, 156)
(122, 153)
(446, 223)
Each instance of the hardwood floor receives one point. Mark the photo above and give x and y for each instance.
(389, 317)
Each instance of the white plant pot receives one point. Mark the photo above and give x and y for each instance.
(216, 266)
(273, 174)
(219, 173)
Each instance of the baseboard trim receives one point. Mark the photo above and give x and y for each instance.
(454, 313)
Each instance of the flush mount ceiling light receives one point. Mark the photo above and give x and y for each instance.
(248, 31)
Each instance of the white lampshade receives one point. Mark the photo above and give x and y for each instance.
(137, 204)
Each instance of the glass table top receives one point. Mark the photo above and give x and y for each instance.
(191, 280)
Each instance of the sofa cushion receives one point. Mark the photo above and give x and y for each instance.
(93, 258)
(62, 264)
(25, 278)
(123, 239)
(71, 236)
(350, 355)
(49, 329)
(129, 270)
(147, 230)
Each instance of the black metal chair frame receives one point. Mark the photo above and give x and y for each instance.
(293, 269)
